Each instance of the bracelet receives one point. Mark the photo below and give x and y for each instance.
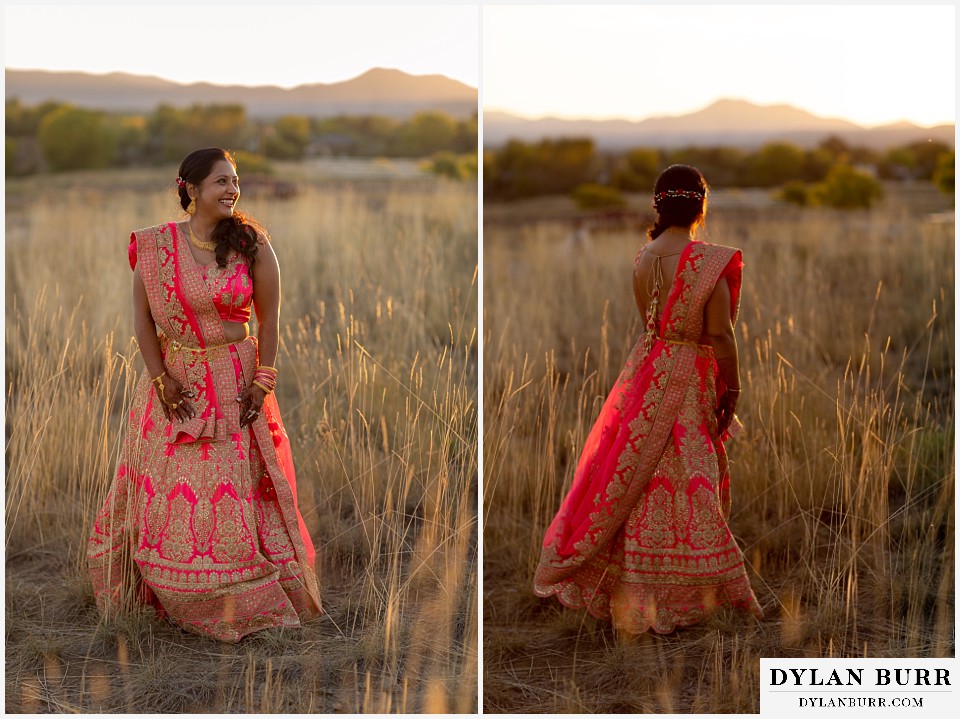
(265, 378)
(733, 391)
(265, 389)
(158, 381)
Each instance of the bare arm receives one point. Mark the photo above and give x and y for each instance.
(266, 303)
(719, 330)
(145, 329)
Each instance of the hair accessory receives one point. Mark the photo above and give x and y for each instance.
(689, 194)
(180, 182)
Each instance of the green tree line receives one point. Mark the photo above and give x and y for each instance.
(833, 173)
(58, 136)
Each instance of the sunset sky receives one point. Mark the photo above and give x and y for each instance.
(234, 43)
(873, 65)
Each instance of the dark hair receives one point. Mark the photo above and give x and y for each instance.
(680, 198)
(239, 232)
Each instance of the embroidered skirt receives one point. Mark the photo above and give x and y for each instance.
(205, 531)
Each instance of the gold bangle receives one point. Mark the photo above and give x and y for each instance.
(268, 369)
(265, 389)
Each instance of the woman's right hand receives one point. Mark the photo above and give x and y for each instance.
(173, 399)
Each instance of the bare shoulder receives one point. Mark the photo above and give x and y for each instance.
(266, 263)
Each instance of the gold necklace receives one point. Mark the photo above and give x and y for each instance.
(208, 245)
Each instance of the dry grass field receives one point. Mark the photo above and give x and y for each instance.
(842, 482)
(378, 390)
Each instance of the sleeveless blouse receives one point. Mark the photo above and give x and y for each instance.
(231, 287)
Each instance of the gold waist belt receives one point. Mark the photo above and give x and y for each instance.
(688, 344)
(175, 347)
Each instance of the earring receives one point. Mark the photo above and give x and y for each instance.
(192, 207)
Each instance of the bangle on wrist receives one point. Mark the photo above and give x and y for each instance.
(263, 387)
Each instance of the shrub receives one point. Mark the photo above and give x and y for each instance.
(638, 170)
(590, 196)
(796, 193)
(847, 189)
(74, 139)
(10, 156)
(456, 167)
(944, 175)
(251, 162)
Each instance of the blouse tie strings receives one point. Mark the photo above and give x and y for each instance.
(654, 283)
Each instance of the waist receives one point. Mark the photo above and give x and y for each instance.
(696, 345)
(174, 347)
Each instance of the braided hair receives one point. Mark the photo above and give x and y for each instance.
(239, 232)
(680, 199)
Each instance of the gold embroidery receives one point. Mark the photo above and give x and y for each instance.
(657, 553)
(202, 536)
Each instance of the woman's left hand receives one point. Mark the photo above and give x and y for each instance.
(251, 404)
(725, 410)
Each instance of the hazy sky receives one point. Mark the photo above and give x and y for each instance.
(869, 64)
(234, 43)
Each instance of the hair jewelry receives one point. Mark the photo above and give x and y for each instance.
(689, 194)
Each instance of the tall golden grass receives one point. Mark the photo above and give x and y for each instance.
(378, 392)
(843, 482)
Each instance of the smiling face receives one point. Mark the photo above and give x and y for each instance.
(217, 195)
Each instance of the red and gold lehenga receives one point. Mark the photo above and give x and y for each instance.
(641, 537)
(207, 508)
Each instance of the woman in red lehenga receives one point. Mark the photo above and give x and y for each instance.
(641, 538)
(201, 520)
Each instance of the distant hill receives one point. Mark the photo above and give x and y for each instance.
(378, 91)
(735, 123)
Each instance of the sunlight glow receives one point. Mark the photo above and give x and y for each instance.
(237, 44)
(872, 65)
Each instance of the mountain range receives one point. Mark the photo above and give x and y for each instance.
(378, 91)
(735, 123)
